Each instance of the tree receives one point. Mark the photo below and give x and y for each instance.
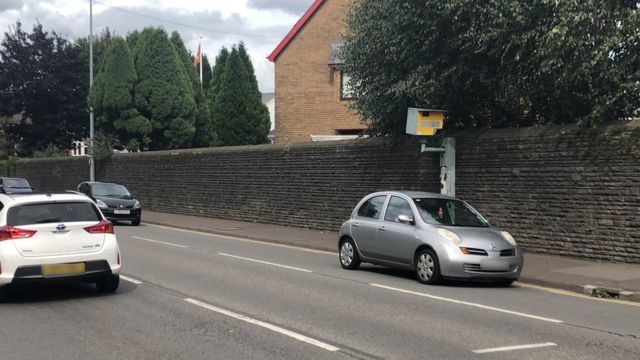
(163, 93)
(493, 63)
(232, 104)
(41, 84)
(204, 132)
(100, 44)
(257, 110)
(206, 73)
(112, 97)
(214, 89)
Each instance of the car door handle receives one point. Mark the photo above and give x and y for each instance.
(382, 228)
(355, 224)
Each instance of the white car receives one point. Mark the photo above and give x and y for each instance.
(54, 237)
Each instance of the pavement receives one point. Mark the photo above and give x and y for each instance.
(604, 279)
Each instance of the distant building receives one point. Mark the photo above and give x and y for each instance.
(269, 99)
(312, 92)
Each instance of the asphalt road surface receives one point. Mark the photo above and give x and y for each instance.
(189, 295)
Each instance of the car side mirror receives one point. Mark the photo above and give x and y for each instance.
(406, 219)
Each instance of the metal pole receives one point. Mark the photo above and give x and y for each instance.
(200, 46)
(92, 166)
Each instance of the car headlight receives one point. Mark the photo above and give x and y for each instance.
(101, 204)
(509, 238)
(449, 235)
(136, 205)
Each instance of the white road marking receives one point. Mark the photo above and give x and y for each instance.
(131, 280)
(515, 347)
(266, 263)
(469, 304)
(161, 242)
(263, 324)
(230, 237)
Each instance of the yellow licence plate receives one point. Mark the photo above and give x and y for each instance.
(63, 269)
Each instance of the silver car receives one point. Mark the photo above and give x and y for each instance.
(436, 235)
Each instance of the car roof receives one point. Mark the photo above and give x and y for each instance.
(414, 194)
(99, 182)
(12, 178)
(17, 199)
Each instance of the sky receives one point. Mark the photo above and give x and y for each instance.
(260, 24)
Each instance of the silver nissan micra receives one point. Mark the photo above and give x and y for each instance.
(438, 236)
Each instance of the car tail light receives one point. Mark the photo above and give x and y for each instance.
(10, 233)
(103, 227)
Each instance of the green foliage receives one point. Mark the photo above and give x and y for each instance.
(49, 151)
(494, 63)
(100, 44)
(240, 120)
(112, 97)
(163, 94)
(206, 72)
(41, 85)
(104, 143)
(204, 132)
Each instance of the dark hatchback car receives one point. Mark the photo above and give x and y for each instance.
(12, 185)
(114, 200)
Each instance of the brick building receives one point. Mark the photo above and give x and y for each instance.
(312, 94)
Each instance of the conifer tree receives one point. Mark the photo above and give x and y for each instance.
(164, 93)
(257, 111)
(214, 89)
(112, 98)
(204, 134)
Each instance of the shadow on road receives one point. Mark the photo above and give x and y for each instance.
(65, 291)
(408, 274)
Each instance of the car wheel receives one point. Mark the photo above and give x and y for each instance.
(428, 267)
(108, 284)
(135, 222)
(349, 258)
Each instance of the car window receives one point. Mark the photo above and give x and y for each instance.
(43, 213)
(397, 206)
(372, 207)
(441, 211)
(107, 189)
(16, 183)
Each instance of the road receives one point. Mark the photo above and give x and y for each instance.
(189, 295)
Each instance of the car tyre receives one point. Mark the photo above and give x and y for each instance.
(428, 267)
(108, 284)
(348, 255)
(135, 222)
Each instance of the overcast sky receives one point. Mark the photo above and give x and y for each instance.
(261, 24)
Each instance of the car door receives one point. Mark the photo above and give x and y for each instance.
(397, 241)
(364, 227)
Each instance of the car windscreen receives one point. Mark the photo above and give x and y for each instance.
(106, 189)
(58, 212)
(449, 212)
(15, 183)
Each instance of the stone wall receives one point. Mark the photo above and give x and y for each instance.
(557, 189)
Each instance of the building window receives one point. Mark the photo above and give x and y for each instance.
(346, 90)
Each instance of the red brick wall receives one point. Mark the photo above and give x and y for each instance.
(307, 91)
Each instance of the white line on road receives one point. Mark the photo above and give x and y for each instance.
(263, 324)
(244, 239)
(131, 280)
(469, 304)
(515, 347)
(266, 263)
(161, 242)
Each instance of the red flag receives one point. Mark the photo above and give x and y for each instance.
(198, 58)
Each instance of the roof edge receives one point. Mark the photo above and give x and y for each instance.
(294, 31)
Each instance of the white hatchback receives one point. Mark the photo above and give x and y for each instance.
(56, 237)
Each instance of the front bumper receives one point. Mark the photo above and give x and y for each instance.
(457, 265)
(110, 214)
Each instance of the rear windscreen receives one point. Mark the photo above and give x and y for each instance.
(43, 213)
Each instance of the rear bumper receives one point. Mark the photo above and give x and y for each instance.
(33, 274)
